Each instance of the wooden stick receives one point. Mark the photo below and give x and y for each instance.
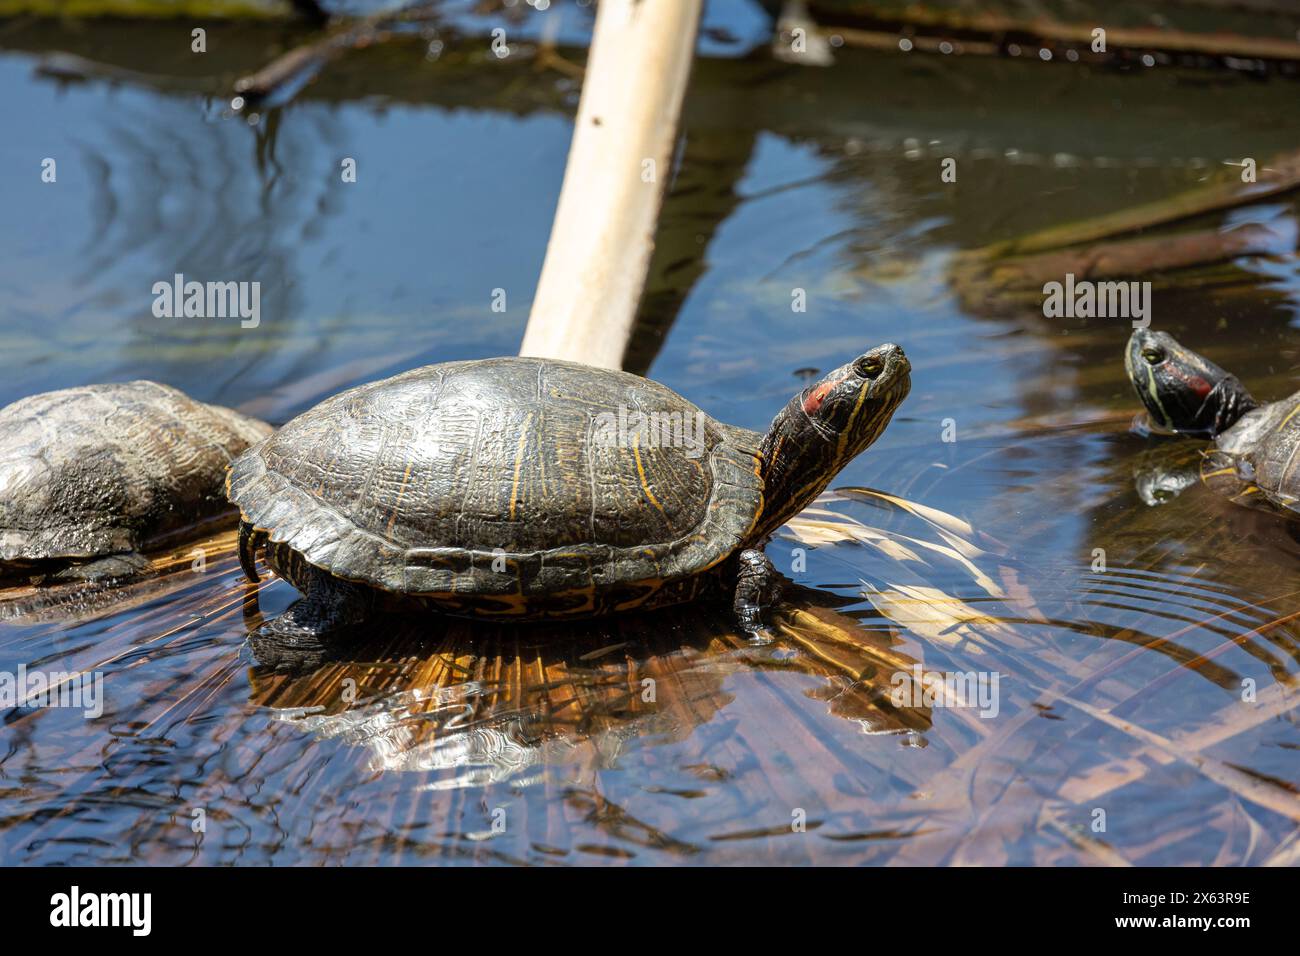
(1104, 247)
(619, 162)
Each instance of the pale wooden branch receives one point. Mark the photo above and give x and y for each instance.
(619, 162)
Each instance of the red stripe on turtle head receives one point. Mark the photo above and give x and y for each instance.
(818, 395)
(1197, 384)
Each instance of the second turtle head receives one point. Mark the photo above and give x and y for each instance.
(1182, 390)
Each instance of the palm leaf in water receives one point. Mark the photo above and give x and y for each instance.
(908, 597)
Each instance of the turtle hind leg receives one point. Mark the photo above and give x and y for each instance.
(249, 542)
(758, 587)
(111, 567)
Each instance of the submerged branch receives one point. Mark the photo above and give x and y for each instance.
(1256, 789)
(282, 78)
(1104, 248)
(1280, 176)
(979, 282)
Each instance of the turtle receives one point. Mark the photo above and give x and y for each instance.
(1255, 457)
(520, 489)
(92, 476)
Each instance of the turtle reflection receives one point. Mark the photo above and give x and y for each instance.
(1169, 466)
(1165, 469)
(479, 705)
(177, 577)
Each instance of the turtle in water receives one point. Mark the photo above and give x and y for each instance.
(525, 488)
(1255, 458)
(91, 476)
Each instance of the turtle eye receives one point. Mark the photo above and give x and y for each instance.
(868, 366)
(1153, 356)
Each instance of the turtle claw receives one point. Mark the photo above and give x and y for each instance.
(750, 619)
(760, 636)
(1229, 400)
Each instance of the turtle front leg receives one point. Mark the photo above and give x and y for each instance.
(758, 587)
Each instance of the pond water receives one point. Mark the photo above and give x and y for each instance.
(1144, 655)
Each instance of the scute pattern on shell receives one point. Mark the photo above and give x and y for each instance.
(1262, 451)
(419, 483)
(103, 469)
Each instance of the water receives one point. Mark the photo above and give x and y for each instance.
(1120, 690)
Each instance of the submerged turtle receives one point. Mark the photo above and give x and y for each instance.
(91, 476)
(1256, 454)
(523, 488)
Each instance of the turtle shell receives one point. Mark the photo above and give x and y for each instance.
(104, 469)
(513, 477)
(1259, 456)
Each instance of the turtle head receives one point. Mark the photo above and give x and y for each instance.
(825, 427)
(1183, 391)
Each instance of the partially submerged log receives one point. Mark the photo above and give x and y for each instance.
(1276, 177)
(980, 283)
(1107, 247)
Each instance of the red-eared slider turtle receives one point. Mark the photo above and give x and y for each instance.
(519, 488)
(91, 476)
(1256, 454)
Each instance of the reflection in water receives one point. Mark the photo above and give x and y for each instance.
(1164, 471)
(457, 704)
(479, 705)
(495, 703)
